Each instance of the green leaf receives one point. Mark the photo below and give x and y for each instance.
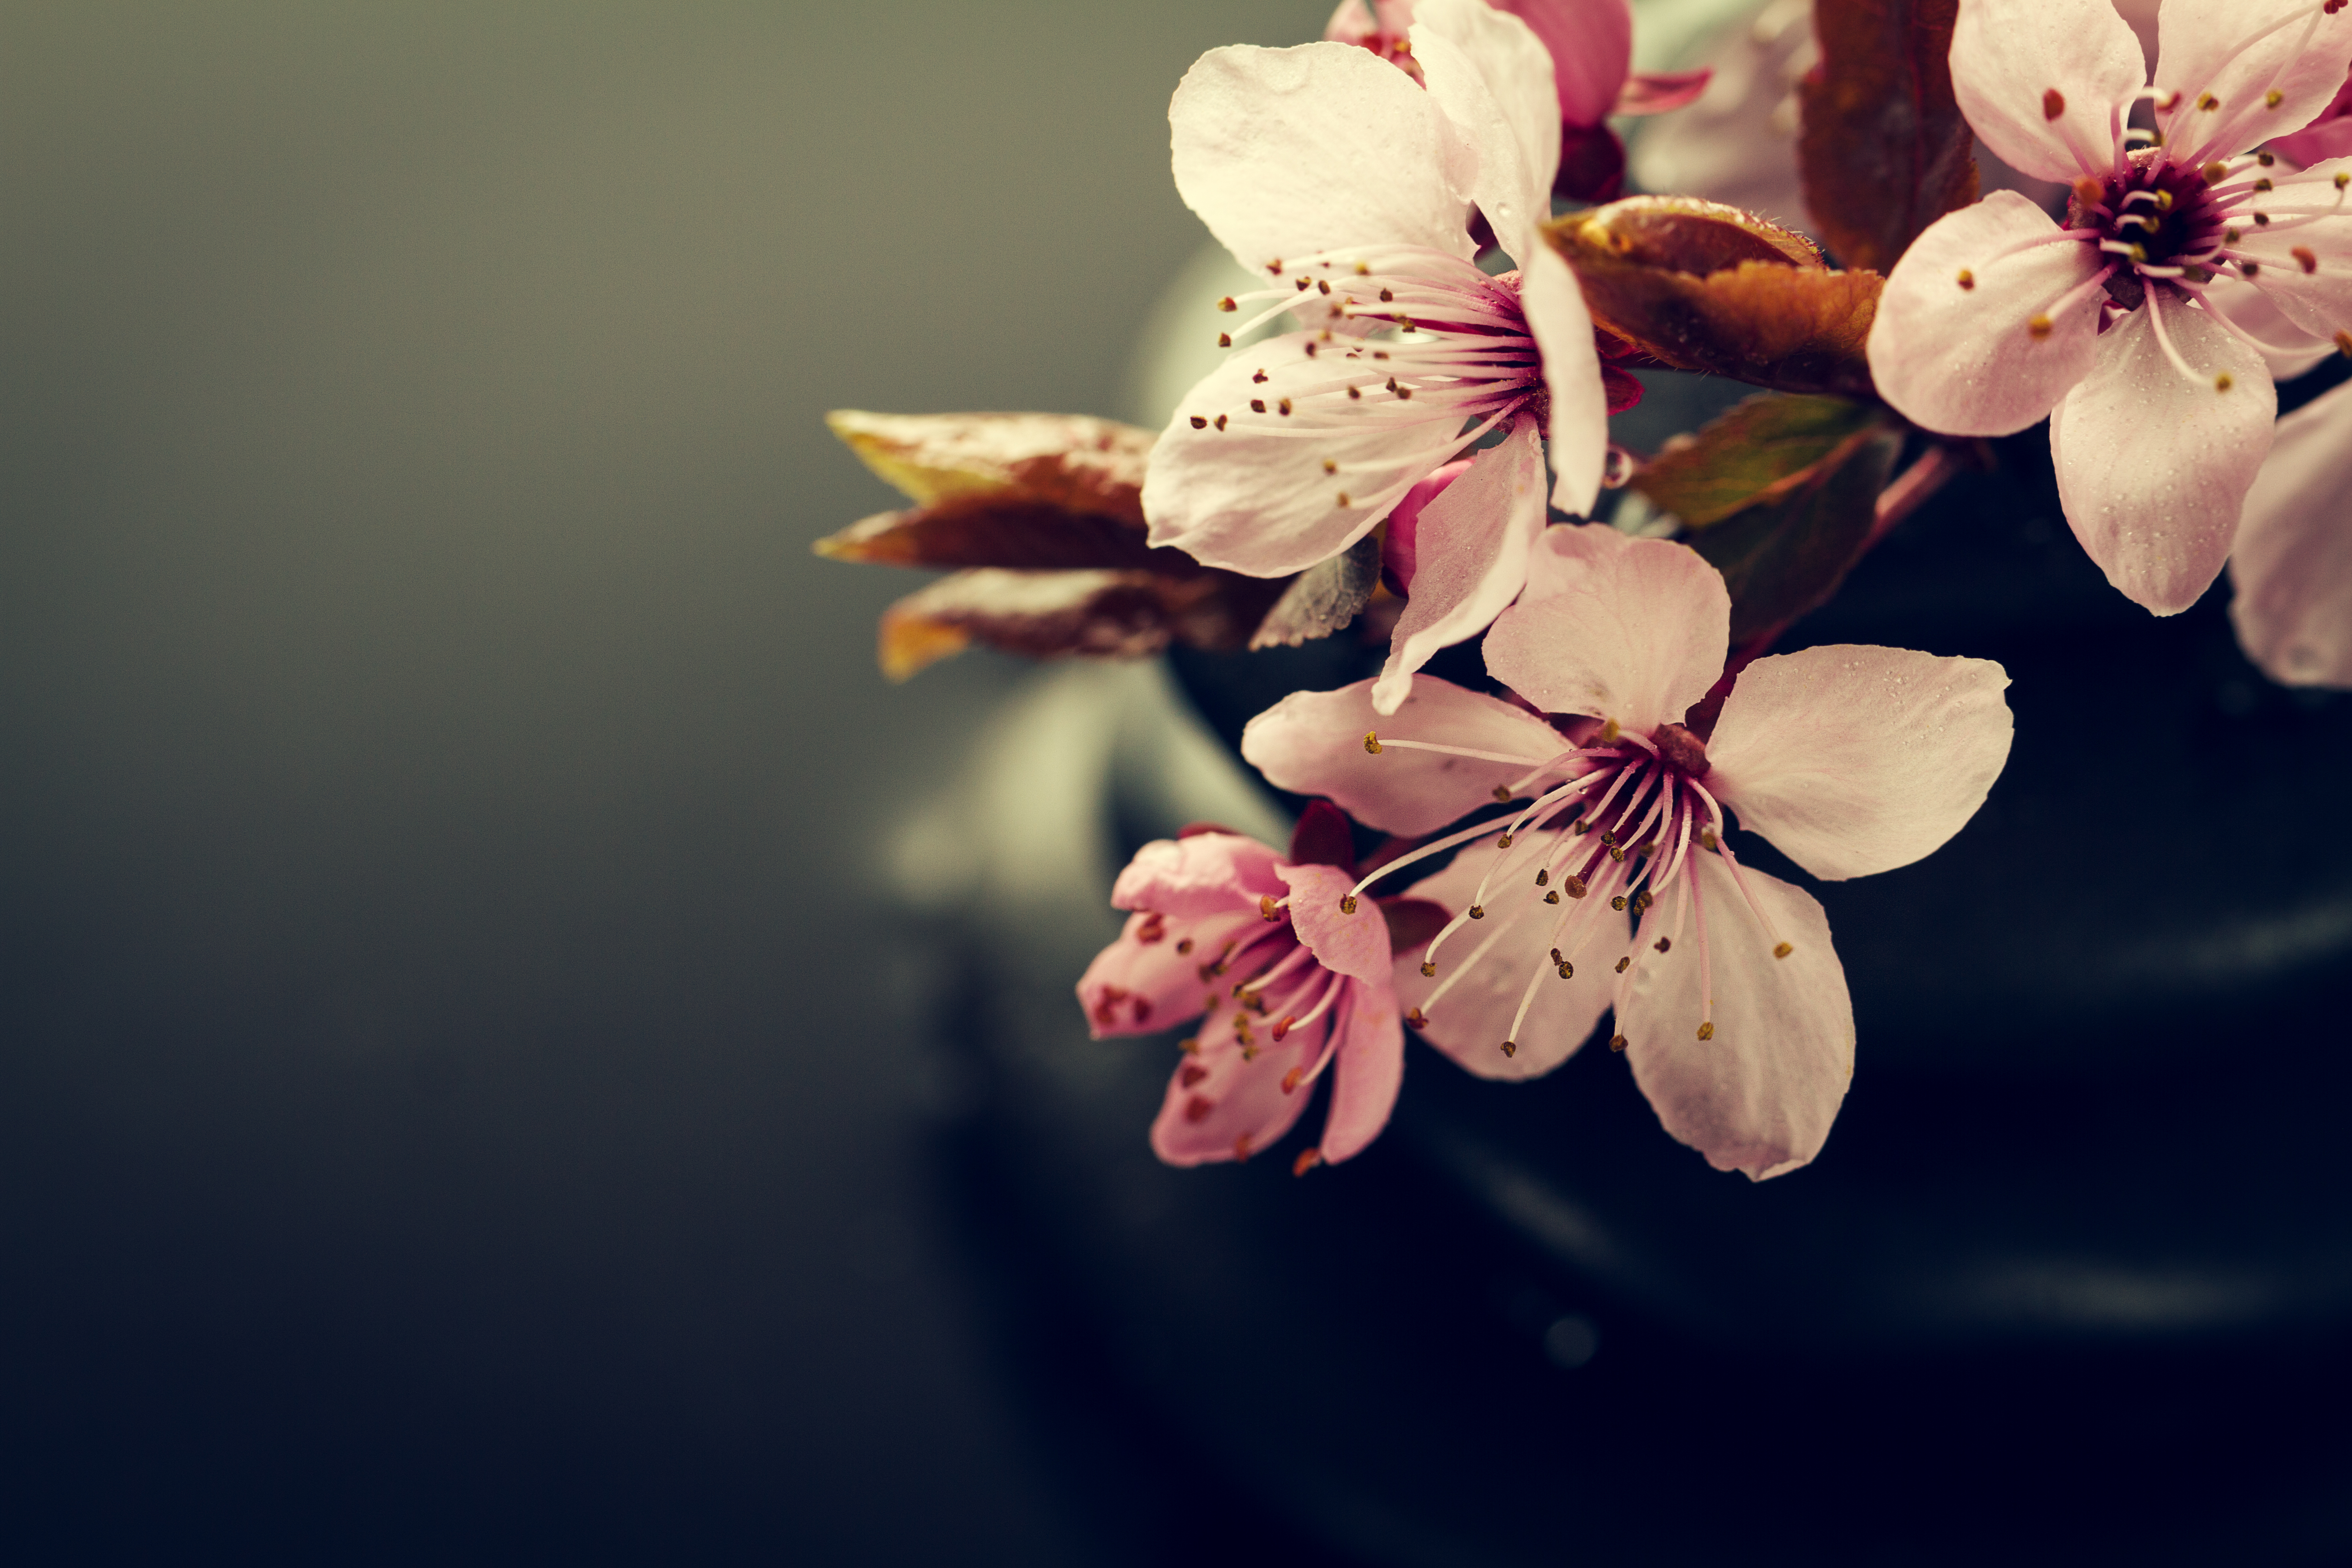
(1885, 151)
(1756, 453)
(1786, 555)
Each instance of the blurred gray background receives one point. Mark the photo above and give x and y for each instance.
(461, 1093)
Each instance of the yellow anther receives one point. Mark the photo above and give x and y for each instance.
(1414, 1016)
(2208, 102)
(1706, 1031)
(1478, 911)
(1665, 945)
(1624, 962)
(2039, 325)
(1267, 907)
(1543, 876)
(1576, 886)
(1347, 903)
(2273, 99)
(2223, 382)
(1782, 951)
(1567, 971)
(1504, 842)
(1510, 1047)
(1372, 742)
(1429, 971)
(1967, 278)
(1609, 733)
(1616, 1042)
(1552, 897)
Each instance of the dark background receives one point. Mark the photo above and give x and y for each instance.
(462, 1094)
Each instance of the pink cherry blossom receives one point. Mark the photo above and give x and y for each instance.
(1350, 187)
(2130, 327)
(2292, 569)
(1285, 983)
(1615, 885)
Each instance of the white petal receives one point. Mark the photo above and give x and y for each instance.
(1253, 495)
(1289, 151)
(1562, 328)
(2153, 465)
(1493, 77)
(2009, 57)
(1312, 742)
(1470, 1022)
(1857, 760)
(1615, 627)
(1960, 356)
(1470, 557)
(2293, 565)
(1760, 1094)
(2228, 50)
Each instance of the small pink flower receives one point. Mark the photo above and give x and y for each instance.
(1288, 975)
(1616, 886)
(2133, 328)
(2292, 569)
(1350, 187)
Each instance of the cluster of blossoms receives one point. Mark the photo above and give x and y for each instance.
(1415, 407)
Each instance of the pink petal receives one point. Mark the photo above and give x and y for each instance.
(1352, 23)
(1253, 497)
(1356, 945)
(1369, 1070)
(1221, 1105)
(2153, 466)
(2203, 48)
(2010, 56)
(1203, 874)
(1655, 92)
(2329, 136)
(1759, 1096)
(1857, 760)
(1139, 987)
(1473, 1019)
(2316, 296)
(1963, 359)
(1490, 74)
(1470, 557)
(1630, 629)
(1312, 742)
(2293, 565)
(1562, 328)
(1399, 547)
(1591, 43)
(1290, 152)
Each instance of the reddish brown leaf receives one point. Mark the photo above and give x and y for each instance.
(1069, 461)
(1000, 528)
(1045, 615)
(1698, 286)
(1885, 151)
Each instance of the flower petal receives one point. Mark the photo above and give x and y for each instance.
(1474, 1017)
(1492, 76)
(1759, 1096)
(1354, 944)
(2153, 466)
(2293, 565)
(1312, 742)
(1562, 327)
(1470, 557)
(1255, 491)
(1591, 43)
(2262, 79)
(1399, 546)
(1201, 875)
(1222, 1104)
(1290, 152)
(2306, 269)
(1953, 345)
(1858, 760)
(2015, 61)
(1630, 629)
(1368, 1071)
(1139, 986)
(2255, 312)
